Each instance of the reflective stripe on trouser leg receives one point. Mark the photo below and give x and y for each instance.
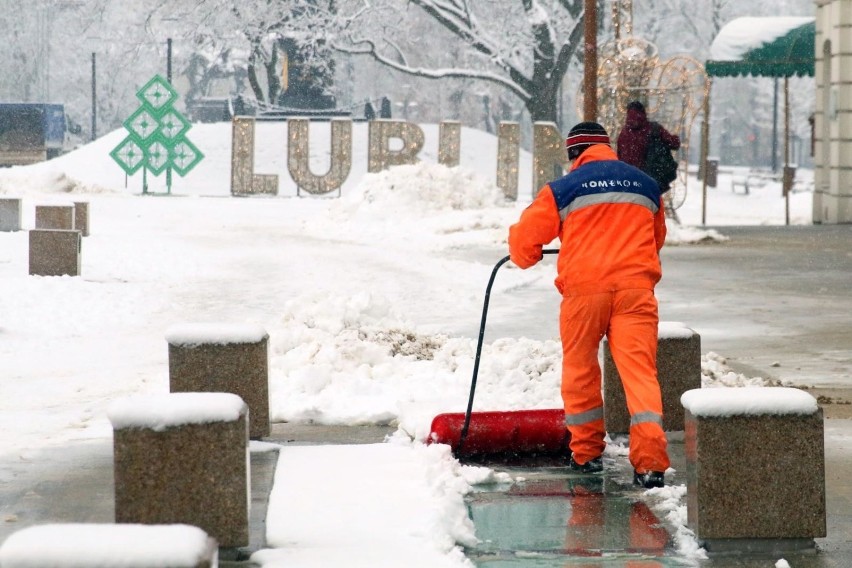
(583, 321)
(587, 434)
(633, 344)
(641, 417)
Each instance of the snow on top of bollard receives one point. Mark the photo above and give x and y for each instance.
(739, 401)
(673, 330)
(161, 411)
(193, 334)
(105, 545)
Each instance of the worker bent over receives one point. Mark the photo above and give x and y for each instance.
(610, 220)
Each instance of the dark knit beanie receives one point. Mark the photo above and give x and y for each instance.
(582, 136)
(636, 105)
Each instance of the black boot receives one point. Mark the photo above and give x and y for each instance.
(648, 479)
(594, 465)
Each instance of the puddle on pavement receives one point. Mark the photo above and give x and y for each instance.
(553, 517)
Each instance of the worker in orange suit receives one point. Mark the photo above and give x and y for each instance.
(610, 220)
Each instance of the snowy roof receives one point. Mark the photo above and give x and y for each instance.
(769, 47)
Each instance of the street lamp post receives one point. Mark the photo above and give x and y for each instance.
(94, 99)
(169, 60)
(590, 61)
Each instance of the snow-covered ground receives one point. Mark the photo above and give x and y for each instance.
(363, 297)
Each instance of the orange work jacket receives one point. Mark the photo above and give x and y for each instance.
(609, 218)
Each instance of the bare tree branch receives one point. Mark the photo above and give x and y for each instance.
(370, 49)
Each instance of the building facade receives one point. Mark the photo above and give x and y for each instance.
(833, 116)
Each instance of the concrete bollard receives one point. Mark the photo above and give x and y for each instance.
(755, 468)
(208, 357)
(54, 252)
(183, 458)
(678, 370)
(10, 214)
(71, 545)
(81, 217)
(59, 217)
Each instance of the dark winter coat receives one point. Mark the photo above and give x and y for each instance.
(633, 139)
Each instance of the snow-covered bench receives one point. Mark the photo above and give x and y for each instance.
(72, 545)
(755, 468)
(678, 370)
(183, 458)
(10, 214)
(740, 181)
(54, 252)
(223, 357)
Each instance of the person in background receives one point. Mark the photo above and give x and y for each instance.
(633, 139)
(610, 220)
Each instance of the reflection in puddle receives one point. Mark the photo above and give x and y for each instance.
(571, 521)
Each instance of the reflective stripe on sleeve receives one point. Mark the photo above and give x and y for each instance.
(645, 417)
(608, 197)
(584, 417)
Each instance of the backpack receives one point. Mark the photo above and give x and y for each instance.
(659, 162)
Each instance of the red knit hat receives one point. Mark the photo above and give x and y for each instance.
(582, 136)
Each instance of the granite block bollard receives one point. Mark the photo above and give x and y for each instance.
(54, 252)
(10, 214)
(183, 458)
(755, 467)
(81, 217)
(225, 357)
(678, 370)
(59, 217)
(71, 545)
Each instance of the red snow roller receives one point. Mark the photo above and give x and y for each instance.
(500, 435)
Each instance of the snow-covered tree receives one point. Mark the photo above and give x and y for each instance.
(265, 36)
(523, 47)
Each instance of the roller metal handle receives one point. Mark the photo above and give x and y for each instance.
(497, 266)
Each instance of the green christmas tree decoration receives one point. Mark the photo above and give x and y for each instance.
(156, 139)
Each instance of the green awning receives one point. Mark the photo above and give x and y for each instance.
(764, 47)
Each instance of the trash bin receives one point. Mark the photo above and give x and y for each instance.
(787, 180)
(712, 169)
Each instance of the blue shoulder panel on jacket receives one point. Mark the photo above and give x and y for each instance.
(603, 177)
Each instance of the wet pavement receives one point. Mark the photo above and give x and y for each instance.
(548, 517)
(552, 517)
(556, 518)
(773, 300)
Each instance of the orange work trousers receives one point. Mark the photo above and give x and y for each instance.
(629, 319)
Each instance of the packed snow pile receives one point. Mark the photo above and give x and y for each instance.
(678, 234)
(45, 180)
(428, 513)
(353, 360)
(350, 361)
(669, 503)
(428, 187)
(715, 372)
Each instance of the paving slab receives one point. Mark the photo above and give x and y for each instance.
(74, 483)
